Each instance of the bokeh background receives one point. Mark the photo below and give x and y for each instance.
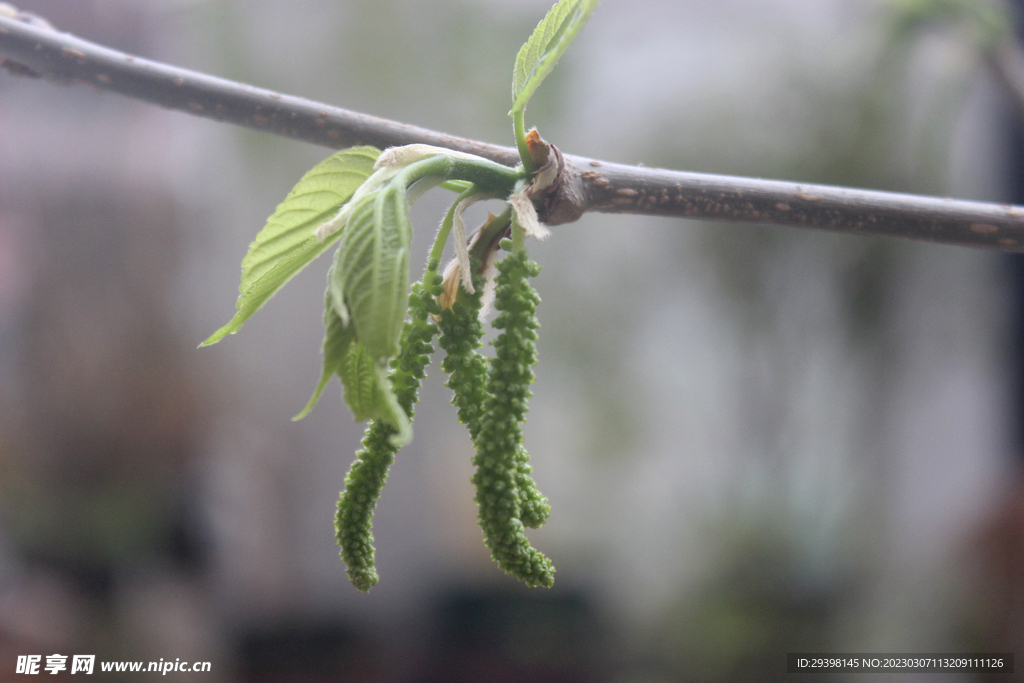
(755, 440)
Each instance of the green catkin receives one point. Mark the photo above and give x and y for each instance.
(534, 506)
(364, 481)
(460, 336)
(506, 497)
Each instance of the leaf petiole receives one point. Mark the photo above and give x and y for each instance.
(519, 127)
(488, 175)
(437, 251)
(518, 237)
(457, 186)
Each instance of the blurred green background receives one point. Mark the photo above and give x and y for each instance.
(755, 440)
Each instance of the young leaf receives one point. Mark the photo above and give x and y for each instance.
(550, 40)
(371, 270)
(369, 394)
(337, 340)
(287, 244)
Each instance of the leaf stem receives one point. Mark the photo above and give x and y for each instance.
(489, 176)
(456, 186)
(437, 251)
(519, 127)
(518, 237)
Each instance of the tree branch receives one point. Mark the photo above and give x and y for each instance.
(583, 184)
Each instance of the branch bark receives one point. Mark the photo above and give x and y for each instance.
(583, 184)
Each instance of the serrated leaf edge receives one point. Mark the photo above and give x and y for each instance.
(546, 45)
(296, 257)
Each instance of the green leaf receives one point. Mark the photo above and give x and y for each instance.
(286, 244)
(337, 340)
(549, 41)
(371, 270)
(369, 394)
